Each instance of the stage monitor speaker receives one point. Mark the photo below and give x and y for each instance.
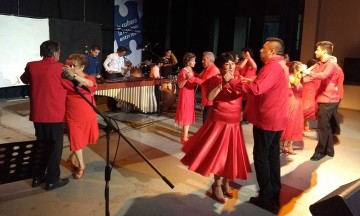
(344, 201)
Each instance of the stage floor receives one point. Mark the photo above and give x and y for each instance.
(137, 190)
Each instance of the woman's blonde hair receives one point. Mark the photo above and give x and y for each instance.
(78, 59)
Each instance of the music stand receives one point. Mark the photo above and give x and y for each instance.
(20, 160)
(108, 128)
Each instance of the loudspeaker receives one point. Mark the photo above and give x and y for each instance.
(344, 201)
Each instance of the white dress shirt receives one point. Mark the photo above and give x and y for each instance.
(115, 63)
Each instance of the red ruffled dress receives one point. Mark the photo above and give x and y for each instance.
(309, 103)
(218, 147)
(185, 109)
(80, 118)
(295, 124)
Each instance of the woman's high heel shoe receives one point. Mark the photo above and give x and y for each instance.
(227, 193)
(71, 165)
(287, 149)
(79, 173)
(307, 129)
(213, 194)
(183, 138)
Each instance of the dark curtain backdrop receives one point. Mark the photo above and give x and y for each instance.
(74, 36)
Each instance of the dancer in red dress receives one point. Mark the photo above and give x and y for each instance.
(218, 146)
(185, 110)
(310, 86)
(80, 117)
(247, 69)
(294, 129)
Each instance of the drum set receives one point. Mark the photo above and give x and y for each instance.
(169, 86)
(169, 91)
(141, 70)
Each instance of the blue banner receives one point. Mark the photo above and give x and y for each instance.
(128, 32)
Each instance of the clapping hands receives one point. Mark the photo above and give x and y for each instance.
(228, 76)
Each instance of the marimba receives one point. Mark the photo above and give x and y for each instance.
(139, 92)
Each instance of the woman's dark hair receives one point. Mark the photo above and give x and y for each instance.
(187, 57)
(47, 48)
(248, 49)
(233, 53)
(222, 59)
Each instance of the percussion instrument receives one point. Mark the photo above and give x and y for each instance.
(138, 92)
(168, 94)
(136, 72)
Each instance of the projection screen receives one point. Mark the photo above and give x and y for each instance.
(20, 40)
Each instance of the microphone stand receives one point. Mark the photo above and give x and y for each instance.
(108, 128)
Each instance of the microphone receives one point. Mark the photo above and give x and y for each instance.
(66, 75)
(145, 47)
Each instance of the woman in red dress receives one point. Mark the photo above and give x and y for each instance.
(185, 110)
(310, 86)
(80, 117)
(247, 69)
(294, 129)
(218, 146)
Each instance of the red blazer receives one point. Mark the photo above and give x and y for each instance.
(47, 92)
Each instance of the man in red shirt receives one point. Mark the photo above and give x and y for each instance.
(209, 71)
(47, 111)
(327, 98)
(335, 121)
(267, 111)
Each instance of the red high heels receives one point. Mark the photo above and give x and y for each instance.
(183, 138)
(79, 173)
(71, 165)
(213, 194)
(227, 193)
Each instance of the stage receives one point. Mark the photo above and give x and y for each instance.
(136, 190)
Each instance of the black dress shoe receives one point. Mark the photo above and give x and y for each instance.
(267, 205)
(58, 184)
(317, 156)
(37, 181)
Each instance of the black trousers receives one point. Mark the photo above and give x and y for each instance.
(51, 137)
(266, 154)
(325, 143)
(335, 121)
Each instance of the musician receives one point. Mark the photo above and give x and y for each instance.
(116, 65)
(93, 62)
(169, 60)
(155, 70)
